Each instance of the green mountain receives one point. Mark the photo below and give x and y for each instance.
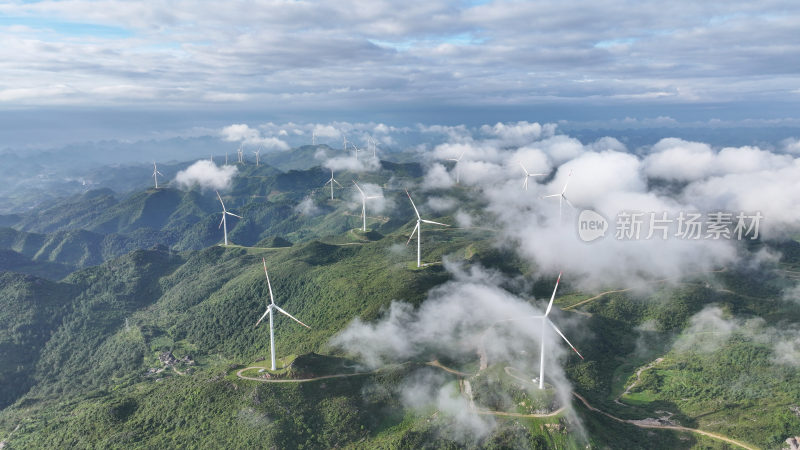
(157, 347)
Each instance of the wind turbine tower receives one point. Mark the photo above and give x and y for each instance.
(331, 181)
(364, 198)
(546, 321)
(224, 223)
(562, 197)
(528, 175)
(270, 306)
(156, 173)
(418, 229)
(457, 160)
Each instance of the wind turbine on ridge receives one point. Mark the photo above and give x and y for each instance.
(374, 146)
(331, 181)
(364, 199)
(457, 160)
(156, 173)
(241, 154)
(418, 229)
(562, 196)
(270, 306)
(257, 152)
(224, 223)
(528, 175)
(546, 321)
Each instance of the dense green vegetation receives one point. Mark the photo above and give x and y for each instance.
(80, 348)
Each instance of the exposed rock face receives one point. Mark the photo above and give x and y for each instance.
(794, 443)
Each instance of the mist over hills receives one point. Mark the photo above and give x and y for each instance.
(100, 287)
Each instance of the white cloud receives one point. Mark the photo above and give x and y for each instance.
(206, 174)
(307, 207)
(676, 159)
(251, 136)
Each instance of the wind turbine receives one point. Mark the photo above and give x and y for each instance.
(357, 150)
(344, 138)
(156, 173)
(331, 181)
(313, 137)
(545, 321)
(241, 154)
(418, 229)
(224, 223)
(457, 160)
(374, 146)
(528, 175)
(257, 152)
(561, 197)
(226, 158)
(364, 199)
(270, 307)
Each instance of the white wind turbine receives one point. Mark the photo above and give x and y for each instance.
(528, 175)
(344, 138)
(374, 146)
(156, 173)
(257, 153)
(224, 223)
(241, 155)
(418, 229)
(562, 196)
(457, 160)
(364, 198)
(356, 148)
(270, 307)
(546, 321)
(331, 181)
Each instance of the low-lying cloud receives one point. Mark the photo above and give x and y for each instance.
(206, 175)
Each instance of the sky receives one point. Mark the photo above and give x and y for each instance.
(135, 67)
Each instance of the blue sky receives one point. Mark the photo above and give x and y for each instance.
(432, 61)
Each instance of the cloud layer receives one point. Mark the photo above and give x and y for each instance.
(332, 54)
(206, 174)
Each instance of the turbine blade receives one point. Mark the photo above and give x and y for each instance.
(159, 173)
(523, 168)
(565, 338)
(412, 233)
(568, 202)
(413, 205)
(271, 299)
(569, 177)
(436, 223)
(340, 184)
(221, 221)
(374, 196)
(234, 215)
(292, 317)
(220, 200)
(359, 188)
(552, 297)
(262, 317)
(525, 184)
(554, 195)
